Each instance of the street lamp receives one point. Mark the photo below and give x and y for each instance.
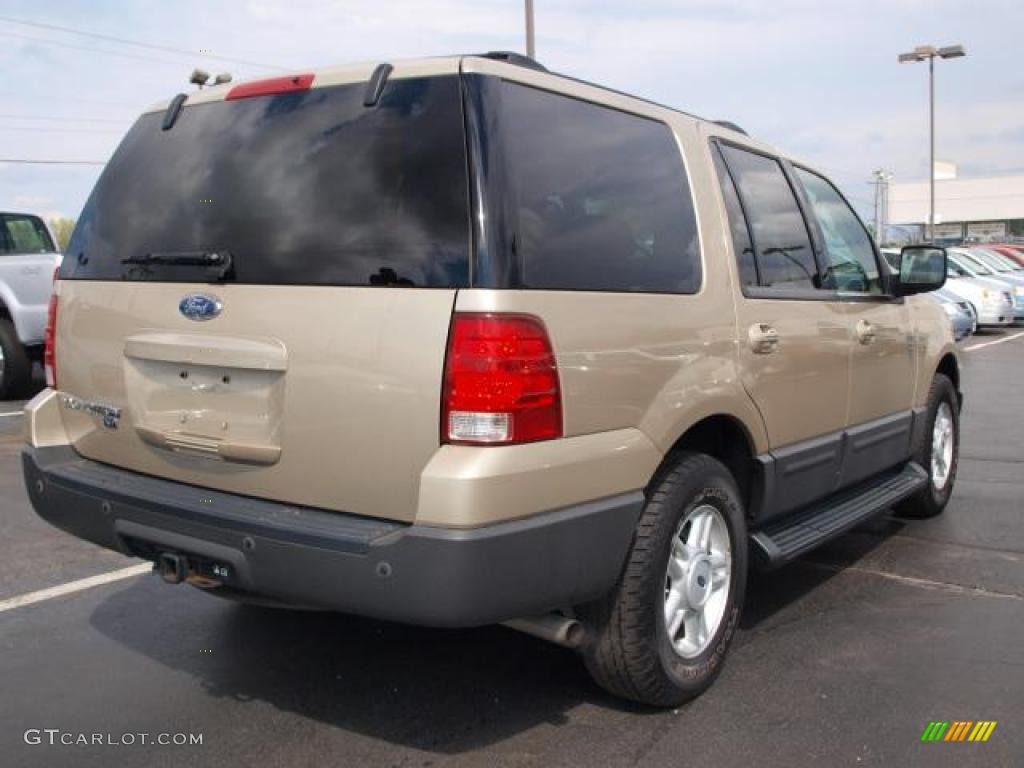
(531, 50)
(928, 53)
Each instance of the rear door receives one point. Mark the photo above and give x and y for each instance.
(883, 365)
(794, 338)
(264, 292)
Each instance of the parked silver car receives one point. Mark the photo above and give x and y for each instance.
(28, 257)
(974, 265)
(961, 314)
(990, 301)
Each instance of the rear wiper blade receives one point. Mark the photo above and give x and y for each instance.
(219, 260)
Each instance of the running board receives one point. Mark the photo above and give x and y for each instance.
(785, 540)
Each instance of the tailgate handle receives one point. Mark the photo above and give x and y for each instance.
(244, 453)
(224, 351)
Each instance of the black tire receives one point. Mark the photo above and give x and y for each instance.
(629, 652)
(931, 500)
(17, 367)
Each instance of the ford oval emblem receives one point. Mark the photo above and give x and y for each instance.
(200, 306)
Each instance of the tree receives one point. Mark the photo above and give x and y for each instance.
(62, 228)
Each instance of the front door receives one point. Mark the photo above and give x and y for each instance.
(882, 364)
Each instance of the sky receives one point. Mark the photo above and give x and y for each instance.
(816, 78)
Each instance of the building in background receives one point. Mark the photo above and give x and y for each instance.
(983, 210)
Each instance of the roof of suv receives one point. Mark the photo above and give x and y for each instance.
(505, 64)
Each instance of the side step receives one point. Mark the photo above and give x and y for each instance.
(784, 540)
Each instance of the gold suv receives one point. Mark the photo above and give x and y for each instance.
(460, 341)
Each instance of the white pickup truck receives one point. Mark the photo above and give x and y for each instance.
(28, 258)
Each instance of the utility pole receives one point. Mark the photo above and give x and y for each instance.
(886, 178)
(881, 184)
(531, 49)
(877, 183)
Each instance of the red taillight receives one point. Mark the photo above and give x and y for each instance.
(50, 350)
(500, 381)
(270, 87)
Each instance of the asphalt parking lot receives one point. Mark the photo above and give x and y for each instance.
(843, 658)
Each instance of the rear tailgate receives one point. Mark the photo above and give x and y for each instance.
(327, 397)
(309, 370)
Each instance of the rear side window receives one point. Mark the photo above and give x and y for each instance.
(741, 243)
(23, 234)
(308, 188)
(782, 244)
(599, 198)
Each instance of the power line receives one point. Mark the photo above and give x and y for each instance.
(72, 46)
(48, 129)
(25, 161)
(67, 118)
(139, 44)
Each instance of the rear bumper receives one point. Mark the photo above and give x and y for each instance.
(410, 573)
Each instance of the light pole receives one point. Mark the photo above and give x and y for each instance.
(928, 53)
(530, 47)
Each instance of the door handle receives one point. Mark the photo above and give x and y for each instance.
(31, 270)
(865, 332)
(763, 338)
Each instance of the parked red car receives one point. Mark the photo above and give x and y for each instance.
(1015, 252)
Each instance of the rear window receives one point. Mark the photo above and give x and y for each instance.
(23, 234)
(600, 198)
(309, 188)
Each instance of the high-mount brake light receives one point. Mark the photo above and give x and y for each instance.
(270, 87)
(501, 381)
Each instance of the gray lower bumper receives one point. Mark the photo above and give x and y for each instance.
(409, 573)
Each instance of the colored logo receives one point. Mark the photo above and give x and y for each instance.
(200, 306)
(958, 730)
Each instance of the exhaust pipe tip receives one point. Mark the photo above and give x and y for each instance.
(173, 568)
(553, 627)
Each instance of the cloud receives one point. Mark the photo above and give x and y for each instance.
(32, 201)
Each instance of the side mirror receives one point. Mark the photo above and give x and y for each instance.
(922, 269)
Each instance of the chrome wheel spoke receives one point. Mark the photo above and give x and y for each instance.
(675, 623)
(720, 567)
(700, 531)
(675, 601)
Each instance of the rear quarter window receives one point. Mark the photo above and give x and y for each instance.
(599, 198)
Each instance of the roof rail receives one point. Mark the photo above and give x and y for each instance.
(511, 57)
(730, 125)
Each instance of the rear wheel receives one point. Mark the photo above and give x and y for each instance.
(661, 636)
(15, 366)
(937, 450)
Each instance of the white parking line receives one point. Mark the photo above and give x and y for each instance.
(12, 413)
(991, 343)
(74, 586)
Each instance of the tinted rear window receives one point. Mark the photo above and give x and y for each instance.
(600, 197)
(305, 188)
(23, 234)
